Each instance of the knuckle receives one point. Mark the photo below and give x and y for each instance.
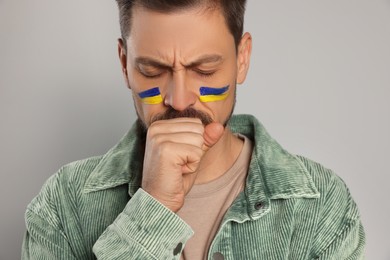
(152, 131)
(158, 139)
(199, 141)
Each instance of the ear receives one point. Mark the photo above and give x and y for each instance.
(243, 57)
(123, 60)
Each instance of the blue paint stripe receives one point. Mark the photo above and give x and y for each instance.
(213, 91)
(149, 93)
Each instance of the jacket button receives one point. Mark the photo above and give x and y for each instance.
(218, 256)
(177, 250)
(258, 205)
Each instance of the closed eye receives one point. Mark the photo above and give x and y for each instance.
(151, 76)
(204, 73)
(150, 73)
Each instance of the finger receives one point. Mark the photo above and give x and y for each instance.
(190, 138)
(178, 120)
(212, 133)
(173, 154)
(168, 127)
(185, 156)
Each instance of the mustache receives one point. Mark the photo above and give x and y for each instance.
(171, 113)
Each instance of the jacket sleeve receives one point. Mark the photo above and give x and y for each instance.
(43, 241)
(348, 245)
(144, 230)
(340, 231)
(45, 238)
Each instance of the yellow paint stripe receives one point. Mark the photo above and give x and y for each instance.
(212, 98)
(152, 100)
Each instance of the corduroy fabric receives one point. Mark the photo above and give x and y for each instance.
(291, 208)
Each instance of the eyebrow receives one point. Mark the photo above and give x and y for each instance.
(147, 61)
(214, 58)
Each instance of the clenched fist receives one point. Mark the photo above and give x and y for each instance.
(174, 149)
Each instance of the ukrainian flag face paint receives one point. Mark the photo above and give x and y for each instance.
(151, 96)
(208, 94)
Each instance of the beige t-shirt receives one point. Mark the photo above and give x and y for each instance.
(206, 204)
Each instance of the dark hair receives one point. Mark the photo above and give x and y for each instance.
(233, 11)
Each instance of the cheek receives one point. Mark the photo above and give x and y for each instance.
(210, 94)
(220, 111)
(150, 96)
(146, 112)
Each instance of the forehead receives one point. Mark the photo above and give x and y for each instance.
(181, 33)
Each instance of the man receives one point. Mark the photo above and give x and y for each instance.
(189, 181)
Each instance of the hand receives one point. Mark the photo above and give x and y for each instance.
(174, 149)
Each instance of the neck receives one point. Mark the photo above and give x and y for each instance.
(219, 158)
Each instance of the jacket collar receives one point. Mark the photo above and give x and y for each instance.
(122, 164)
(273, 173)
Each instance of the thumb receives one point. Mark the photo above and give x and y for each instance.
(212, 133)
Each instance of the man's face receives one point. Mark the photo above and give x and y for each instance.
(179, 53)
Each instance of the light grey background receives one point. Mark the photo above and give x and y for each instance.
(319, 82)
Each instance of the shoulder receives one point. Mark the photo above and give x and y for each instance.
(339, 225)
(66, 184)
(334, 192)
(330, 185)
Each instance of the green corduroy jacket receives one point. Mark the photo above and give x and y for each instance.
(291, 208)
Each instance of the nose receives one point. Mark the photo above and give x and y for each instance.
(179, 95)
